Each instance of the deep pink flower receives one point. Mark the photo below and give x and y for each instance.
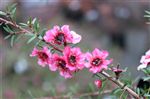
(145, 60)
(98, 83)
(74, 58)
(97, 60)
(62, 35)
(44, 56)
(59, 63)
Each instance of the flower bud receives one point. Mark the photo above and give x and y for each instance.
(98, 83)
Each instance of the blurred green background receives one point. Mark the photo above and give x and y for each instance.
(117, 26)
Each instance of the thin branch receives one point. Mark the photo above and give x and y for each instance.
(76, 96)
(120, 84)
(27, 31)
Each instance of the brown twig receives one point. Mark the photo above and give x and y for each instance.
(27, 31)
(76, 96)
(120, 84)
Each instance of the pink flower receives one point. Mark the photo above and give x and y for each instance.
(97, 60)
(98, 83)
(74, 58)
(58, 36)
(59, 62)
(44, 56)
(145, 60)
(62, 35)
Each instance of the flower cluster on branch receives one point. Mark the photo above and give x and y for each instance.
(58, 53)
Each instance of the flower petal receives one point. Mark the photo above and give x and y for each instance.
(76, 37)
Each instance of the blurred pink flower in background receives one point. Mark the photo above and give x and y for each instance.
(9, 94)
(97, 60)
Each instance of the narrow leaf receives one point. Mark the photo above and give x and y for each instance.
(6, 37)
(31, 39)
(12, 40)
(7, 29)
(34, 20)
(43, 32)
(23, 24)
(146, 78)
(2, 13)
(148, 12)
(116, 91)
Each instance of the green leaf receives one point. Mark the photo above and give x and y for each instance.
(146, 70)
(34, 20)
(29, 21)
(147, 95)
(116, 91)
(29, 34)
(43, 31)
(2, 13)
(11, 7)
(38, 43)
(7, 29)
(12, 40)
(6, 37)
(104, 83)
(148, 16)
(148, 12)
(138, 91)
(13, 11)
(23, 24)
(31, 39)
(36, 25)
(146, 78)
(91, 87)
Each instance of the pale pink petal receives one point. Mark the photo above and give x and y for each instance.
(34, 52)
(53, 67)
(40, 62)
(142, 66)
(87, 64)
(104, 54)
(80, 66)
(148, 52)
(96, 52)
(88, 56)
(94, 70)
(66, 51)
(71, 68)
(142, 59)
(56, 28)
(65, 28)
(65, 74)
(107, 62)
(76, 37)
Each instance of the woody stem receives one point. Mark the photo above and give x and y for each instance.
(120, 84)
(23, 30)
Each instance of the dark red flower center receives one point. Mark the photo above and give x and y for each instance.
(61, 63)
(60, 38)
(72, 60)
(43, 56)
(96, 62)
